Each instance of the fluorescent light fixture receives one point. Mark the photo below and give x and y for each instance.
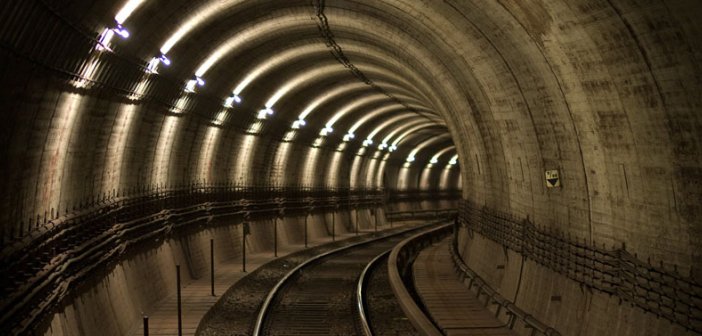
(382, 146)
(121, 31)
(195, 81)
(164, 60)
(433, 161)
(410, 159)
(153, 64)
(349, 136)
(262, 114)
(190, 86)
(367, 142)
(229, 102)
(298, 123)
(392, 148)
(326, 130)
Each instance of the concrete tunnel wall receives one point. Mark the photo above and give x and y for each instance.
(604, 91)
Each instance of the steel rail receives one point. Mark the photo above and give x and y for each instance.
(361, 288)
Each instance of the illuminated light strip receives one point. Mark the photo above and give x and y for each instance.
(435, 158)
(425, 143)
(248, 35)
(375, 113)
(409, 131)
(122, 15)
(202, 14)
(373, 98)
(386, 123)
(279, 59)
(304, 77)
(347, 88)
(385, 109)
(344, 89)
(453, 160)
(317, 73)
(127, 10)
(386, 140)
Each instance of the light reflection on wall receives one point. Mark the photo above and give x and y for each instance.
(381, 172)
(140, 89)
(56, 151)
(209, 147)
(355, 167)
(370, 173)
(332, 178)
(279, 173)
(116, 146)
(242, 164)
(309, 171)
(163, 151)
(425, 178)
(444, 179)
(403, 178)
(450, 178)
(88, 72)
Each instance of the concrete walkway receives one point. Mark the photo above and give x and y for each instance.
(451, 305)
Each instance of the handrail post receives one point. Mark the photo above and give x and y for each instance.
(212, 270)
(243, 247)
(180, 311)
(306, 216)
(357, 221)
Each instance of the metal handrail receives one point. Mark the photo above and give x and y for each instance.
(133, 223)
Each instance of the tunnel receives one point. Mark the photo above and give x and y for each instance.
(561, 138)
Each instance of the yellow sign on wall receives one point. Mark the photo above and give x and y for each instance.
(553, 180)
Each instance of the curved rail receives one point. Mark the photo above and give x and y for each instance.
(263, 311)
(360, 289)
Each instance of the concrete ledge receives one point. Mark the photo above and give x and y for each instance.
(399, 262)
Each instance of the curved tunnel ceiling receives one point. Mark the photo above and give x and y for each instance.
(169, 93)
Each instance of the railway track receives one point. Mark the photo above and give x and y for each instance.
(321, 295)
(380, 314)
